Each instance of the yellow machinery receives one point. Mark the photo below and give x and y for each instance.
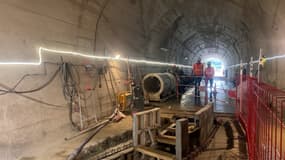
(124, 101)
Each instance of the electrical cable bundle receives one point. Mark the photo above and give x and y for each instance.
(70, 88)
(13, 90)
(7, 90)
(70, 80)
(69, 83)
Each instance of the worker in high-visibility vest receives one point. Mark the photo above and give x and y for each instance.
(209, 75)
(197, 73)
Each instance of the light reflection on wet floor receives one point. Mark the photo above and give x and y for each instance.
(222, 103)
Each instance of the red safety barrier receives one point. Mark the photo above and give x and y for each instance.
(261, 110)
(232, 94)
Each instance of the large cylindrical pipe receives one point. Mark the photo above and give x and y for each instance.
(158, 86)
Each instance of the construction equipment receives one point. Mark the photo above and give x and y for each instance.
(159, 86)
(138, 98)
(124, 101)
(165, 133)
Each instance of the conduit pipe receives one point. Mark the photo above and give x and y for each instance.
(159, 86)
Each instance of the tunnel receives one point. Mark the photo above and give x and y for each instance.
(66, 65)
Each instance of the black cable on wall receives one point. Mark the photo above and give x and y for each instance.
(97, 23)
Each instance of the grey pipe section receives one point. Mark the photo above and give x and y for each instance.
(159, 85)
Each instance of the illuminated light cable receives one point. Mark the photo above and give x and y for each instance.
(275, 57)
(26, 63)
(117, 58)
(257, 61)
(236, 65)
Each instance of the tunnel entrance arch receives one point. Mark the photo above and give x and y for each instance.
(217, 64)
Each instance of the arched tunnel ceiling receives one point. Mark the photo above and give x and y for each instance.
(202, 26)
(207, 35)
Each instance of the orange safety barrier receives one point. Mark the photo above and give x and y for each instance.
(261, 110)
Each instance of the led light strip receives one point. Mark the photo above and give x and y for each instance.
(236, 65)
(41, 49)
(257, 61)
(26, 63)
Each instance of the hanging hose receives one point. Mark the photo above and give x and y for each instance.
(115, 117)
(70, 88)
(41, 87)
(69, 83)
(76, 152)
(13, 90)
(71, 117)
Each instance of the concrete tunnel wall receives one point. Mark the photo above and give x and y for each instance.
(28, 128)
(135, 28)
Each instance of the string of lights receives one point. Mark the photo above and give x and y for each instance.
(257, 61)
(42, 50)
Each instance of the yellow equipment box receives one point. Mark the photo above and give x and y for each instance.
(124, 101)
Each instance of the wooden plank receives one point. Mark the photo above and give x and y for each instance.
(166, 136)
(206, 120)
(158, 123)
(135, 130)
(177, 114)
(171, 130)
(151, 137)
(182, 138)
(155, 153)
(204, 109)
(142, 126)
(147, 111)
(166, 140)
(151, 119)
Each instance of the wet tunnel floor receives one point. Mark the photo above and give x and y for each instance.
(223, 104)
(220, 99)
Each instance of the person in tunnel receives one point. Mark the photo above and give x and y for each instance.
(209, 75)
(197, 73)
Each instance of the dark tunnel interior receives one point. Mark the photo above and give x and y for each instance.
(152, 84)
